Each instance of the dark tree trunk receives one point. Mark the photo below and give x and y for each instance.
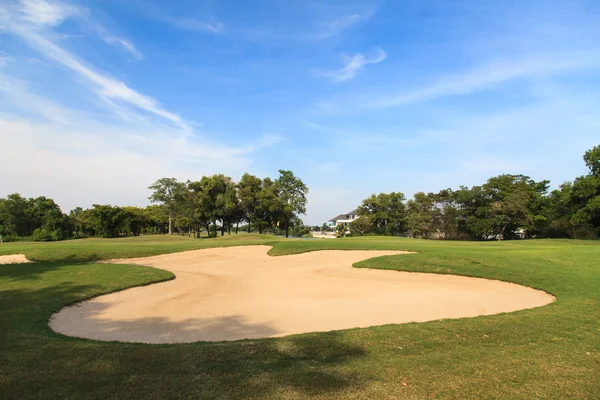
(237, 226)
(208, 229)
(287, 231)
(248, 226)
(222, 228)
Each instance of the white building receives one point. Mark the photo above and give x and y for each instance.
(343, 219)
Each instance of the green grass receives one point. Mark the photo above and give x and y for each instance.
(551, 352)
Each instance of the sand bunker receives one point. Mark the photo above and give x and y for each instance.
(242, 293)
(13, 259)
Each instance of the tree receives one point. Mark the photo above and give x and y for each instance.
(249, 188)
(421, 217)
(386, 212)
(229, 204)
(585, 193)
(208, 202)
(168, 192)
(447, 213)
(49, 221)
(195, 210)
(361, 227)
(16, 216)
(341, 230)
(107, 221)
(504, 207)
(592, 160)
(268, 207)
(135, 220)
(291, 199)
(158, 220)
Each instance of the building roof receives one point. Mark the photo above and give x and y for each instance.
(345, 216)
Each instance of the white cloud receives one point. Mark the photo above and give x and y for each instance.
(42, 12)
(106, 88)
(196, 25)
(489, 76)
(84, 157)
(114, 40)
(86, 161)
(4, 60)
(333, 27)
(354, 64)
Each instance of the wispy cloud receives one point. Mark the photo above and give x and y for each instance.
(196, 25)
(316, 127)
(353, 65)
(43, 14)
(107, 154)
(333, 27)
(115, 40)
(104, 86)
(4, 60)
(489, 76)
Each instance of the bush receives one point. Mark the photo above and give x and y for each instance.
(300, 231)
(45, 234)
(341, 231)
(361, 226)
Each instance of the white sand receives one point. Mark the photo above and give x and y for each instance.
(242, 293)
(13, 259)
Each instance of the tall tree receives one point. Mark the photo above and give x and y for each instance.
(268, 206)
(249, 188)
(421, 217)
(208, 201)
(585, 194)
(291, 196)
(168, 192)
(231, 211)
(447, 213)
(386, 212)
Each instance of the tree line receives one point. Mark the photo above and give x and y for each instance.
(505, 207)
(212, 203)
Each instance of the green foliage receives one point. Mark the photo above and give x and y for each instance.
(505, 207)
(301, 230)
(361, 226)
(290, 199)
(592, 160)
(421, 218)
(39, 218)
(341, 230)
(168, 192)
(326, 228)
(386, 212)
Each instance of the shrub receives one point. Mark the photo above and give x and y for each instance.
(341, 231)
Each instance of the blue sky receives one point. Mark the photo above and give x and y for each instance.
(100, 98)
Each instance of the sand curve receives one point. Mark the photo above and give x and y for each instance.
(243, 293)
(14, 259)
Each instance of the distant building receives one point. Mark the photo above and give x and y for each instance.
(343, 219)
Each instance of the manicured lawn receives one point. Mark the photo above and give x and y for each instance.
(552, 352)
